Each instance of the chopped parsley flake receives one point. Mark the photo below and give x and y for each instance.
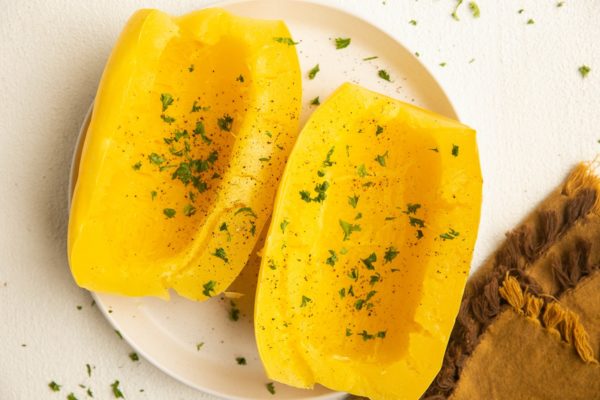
(348, 332)
(191, 68)
(156, 159)
(353, 274)
(383, 74)
(390, 254)
(416, 222)
(71, 396)
(381, 159)
(225, 123)
(450, 235)
(88, 368)
(246, 211)
(370, 58)
(166, 99)
(208, 287)
(169, 212)
(116, 391)
(381, 334)
(313, 72)
(353, 200)
(412, 208)
(454, 13)
(220, 253)
(374, 278)
(137, 166)
(240, 78)
(455, 150)
(189, 210)
(342, 292)
(361, 170)
(320, 189)
(370, 260)
(305, 301)
(119, 334)
(348, 228)
(413, 22)
(55, 387)
(234, 312)
(315, 101)
(328, 162)
(199, 346)
(240, 360)
(199, 130)
(359, 304)
(358, 216)
(332, 259)
(270, 387)
(520, 11)
(584, 70)
(366, 336)
(419, 234)
(283, 225)
(153, 194)
(134, 356)
(379, 130)
(474, 9)
(285, 40)
(443, 64)
(167, 119)
(530, 21)
(196, 107)
(342, 43)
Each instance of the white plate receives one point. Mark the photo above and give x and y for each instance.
(167, 333)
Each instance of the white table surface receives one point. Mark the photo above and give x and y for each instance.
(536, 117)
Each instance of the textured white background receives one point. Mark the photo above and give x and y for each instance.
(535, 116)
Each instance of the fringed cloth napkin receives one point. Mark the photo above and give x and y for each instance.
(529, 322)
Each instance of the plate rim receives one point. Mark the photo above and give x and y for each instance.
(79, 146)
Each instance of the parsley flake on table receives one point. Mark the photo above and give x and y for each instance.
(116, 391)
(443, 64)
(240, 360)
(315, 101)
(390, 254)
(134, 356)
(166, 99)
(474, 9)
(584, 70)
(342, 43)
(71, 396)
(220, 253)
(454, 13)
(119, 334)
(208, 287)
(348, 228)
(285, 40)
(530, 21)
(413, 22)
(270, 387)
(55, 387)
(370, 58)
(383, 74)
(169, 212)
(234, 312)
(313, 72)
(225, 123)
(199, 346)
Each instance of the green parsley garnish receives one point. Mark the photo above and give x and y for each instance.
(454, 14)
(246, 211)
(419, 234)
(285, 40)
(200, 130)
(342, 43)
(189, 210)
(71, 396)
(416, 222)
(361, 170)
(332, 259)
(328, 162)
(156, 159)
(383, 74)
(166, 99)
(390, 254)
(520, 11)
(359, 304)
(270, 387)
(88, 369)
(191, 68)
(208, 287)
(348, 228)
(584, 70)
(413, 22)
(370, 260)
(313, 72)
(320, 189)
(381, 334)
(240, 78)
(450, 235)
(234, 312)
(305, 301)
(116, 391)
(89, 392)
(455, 150)
(366, 336)
(196, 107)
(137, 166)
(134, 356)
(283, 225)
(169, 212)
(223, 227)
(381, 158)
(167, 119)
(443, 64)
(353, 200)
(240, 360)
(153, 194)
(220, 253)
(199, 346)
(370, 58)
(358, 216)
(474, 9)
(412, 208)
(119, 334)
(55, 387)
(353, 274)
(348, 332)
(342, 292)
(530, 21)
(315, 101)
(375, 278)
(225, 123)
(379, 130)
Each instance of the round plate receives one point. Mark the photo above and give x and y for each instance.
(197, 343)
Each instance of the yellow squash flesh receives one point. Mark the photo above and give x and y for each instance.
(192, 124)
(369, 247)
